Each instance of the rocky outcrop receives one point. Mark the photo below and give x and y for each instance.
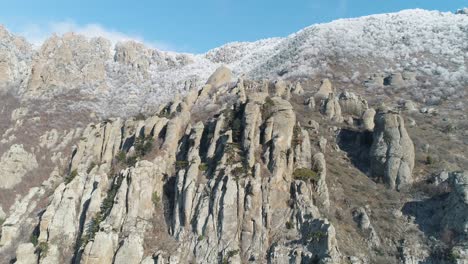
(319, 165)
(297, 89)
(57, 67)
(456, 218)
(310, 102)
(19, 218)
(15, 164)
(251, 135)
(25, 254)
(368, 119)
(216, 190)
(220, 77)
(352, 104)
(280, 88)
(376, 80)
(392, 150)
(133, 54)
(331, 108)
(15, 54)
(362, 219)
(394, 79)
(324, 90)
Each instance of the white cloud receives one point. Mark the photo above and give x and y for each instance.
(37, 33)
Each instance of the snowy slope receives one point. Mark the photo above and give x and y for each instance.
(398, 37)
(429, 43)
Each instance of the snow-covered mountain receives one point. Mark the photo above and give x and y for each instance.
(129, 78)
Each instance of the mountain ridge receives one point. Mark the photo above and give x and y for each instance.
(312, 51)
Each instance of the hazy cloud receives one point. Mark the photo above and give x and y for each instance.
(37, 33)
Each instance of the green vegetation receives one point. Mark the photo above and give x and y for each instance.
(181, 164)
(34, 238)
(42, 248)
(450, 128)
(230, 254)
(91, 167)
(143, 145)
(233, 121)
(121, 157)
(93, 228)
(70, 176)
(131, 161)
(108, 202)
(453, 256)
(289, 225)
(201, 237)
(429, 160)
(155, 198)
(203, 167)
(106, 208)
(232, 148)
(165, 113)
(316, 236)
(239, 171)
(305, 174)
(379, 252)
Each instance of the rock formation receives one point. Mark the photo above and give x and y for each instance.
(392, 150)
(325, 89)
(15, 163)
(331, 108)
(221, 76)
(368, 119)
(215, 190)
(352, 104)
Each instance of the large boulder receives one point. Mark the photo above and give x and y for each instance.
(392, 150)
(325, 89)
(394, 79)
(280, 88)
(221, 76)
(368, 119)
(297, 89)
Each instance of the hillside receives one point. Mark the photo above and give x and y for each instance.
(344, 142)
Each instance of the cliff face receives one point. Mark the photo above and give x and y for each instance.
(220, 189)
(243, 182)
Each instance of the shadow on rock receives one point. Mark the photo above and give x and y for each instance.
(357, 145)
(428, 213)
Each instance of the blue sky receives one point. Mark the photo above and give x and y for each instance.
(191, 26)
